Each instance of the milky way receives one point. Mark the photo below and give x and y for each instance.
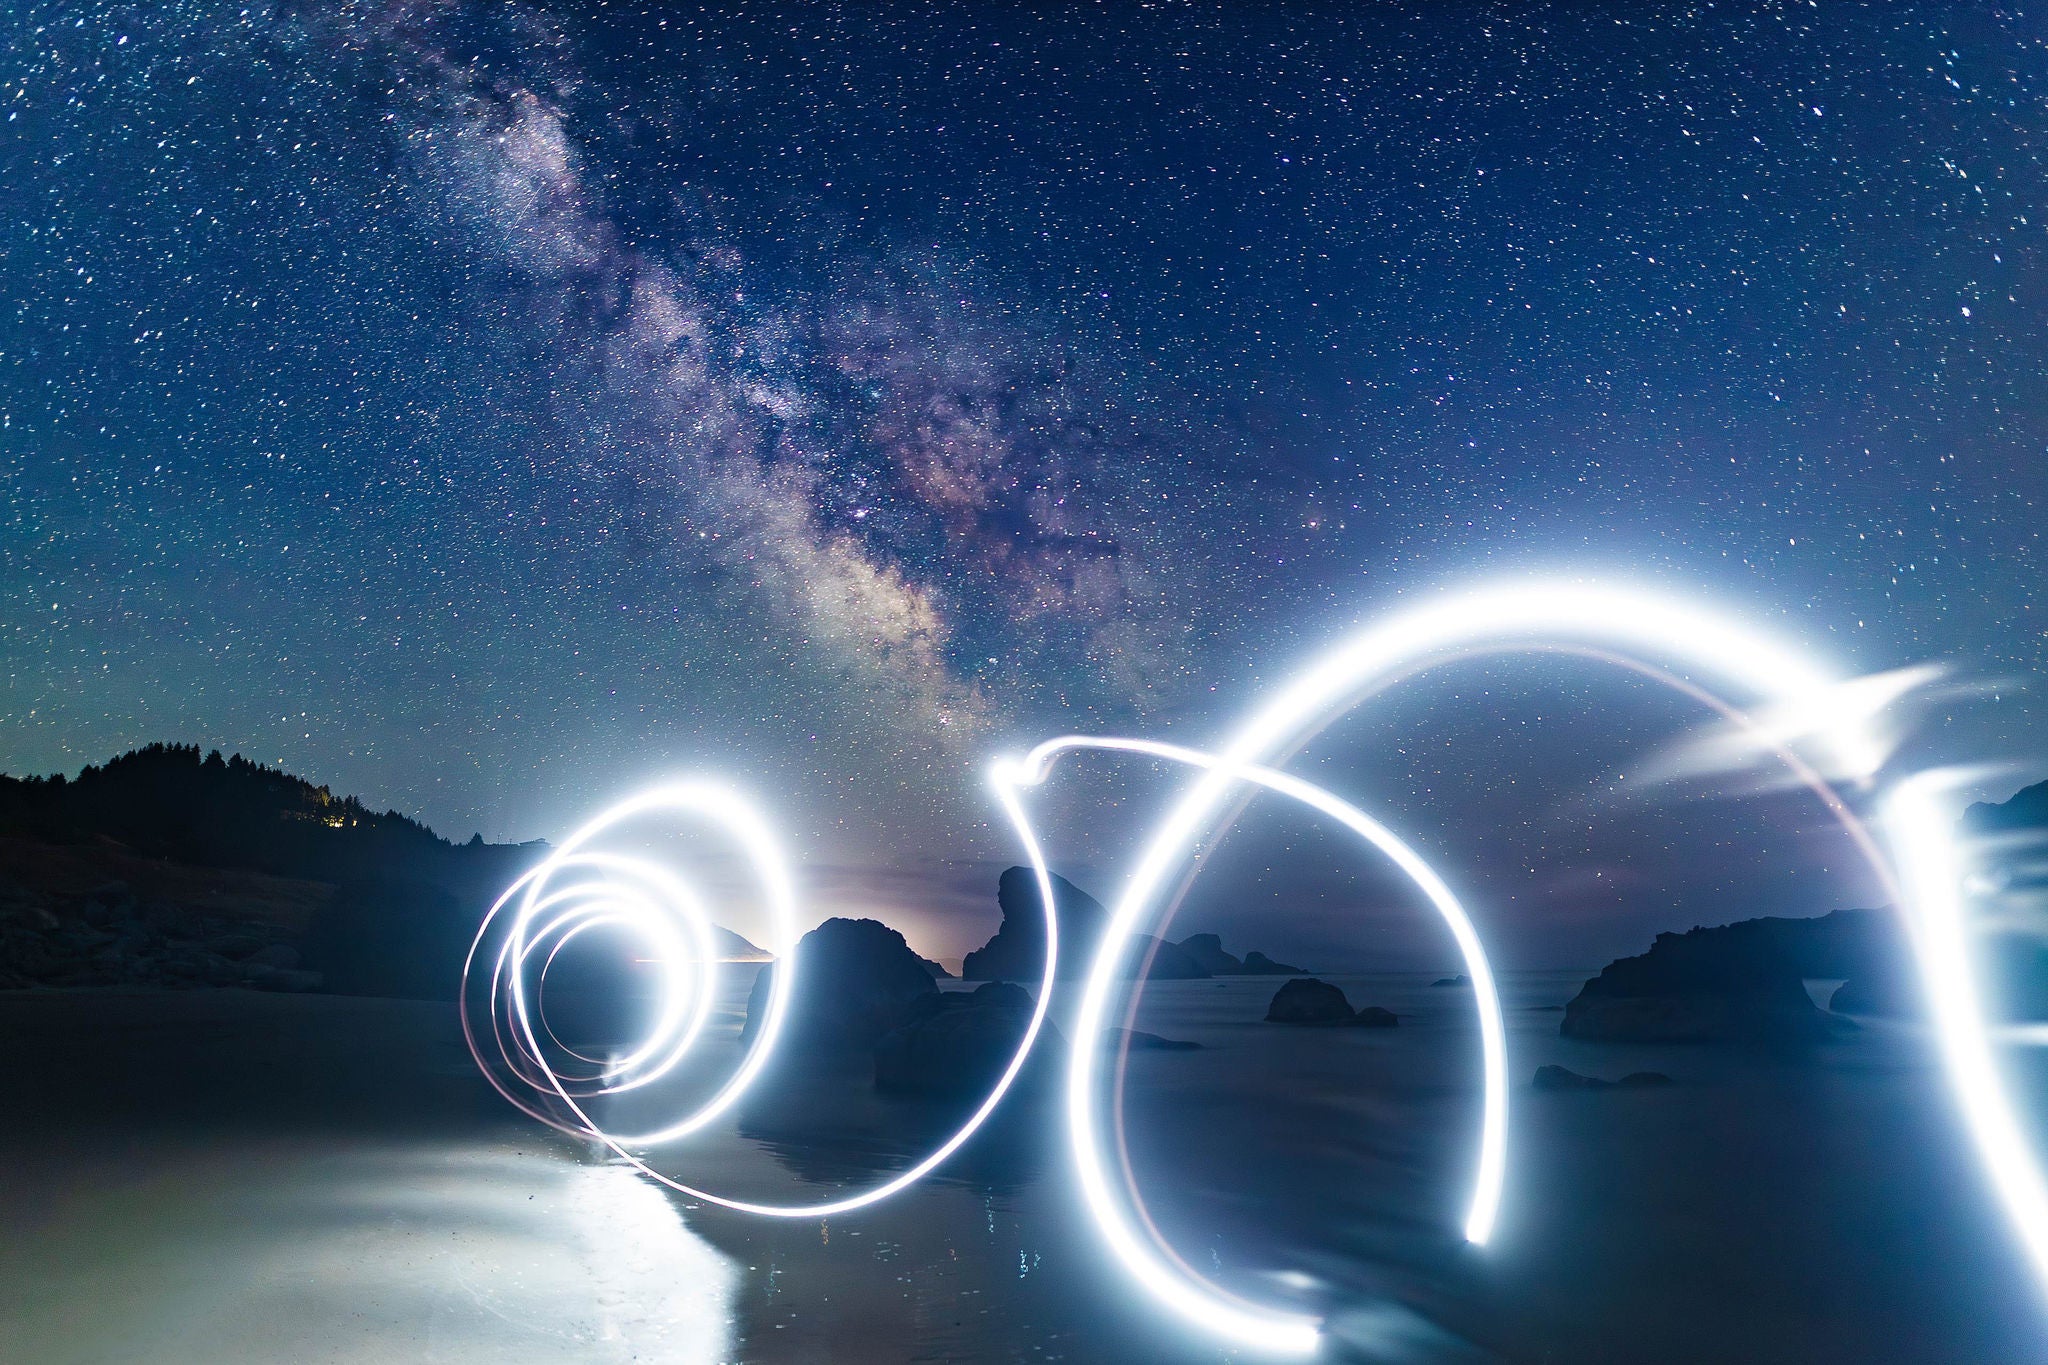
(477, 406)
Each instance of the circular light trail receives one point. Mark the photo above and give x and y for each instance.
(579, 886)
(1539, 614)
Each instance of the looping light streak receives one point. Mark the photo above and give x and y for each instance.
(582, 887)
(1211, 1306)
(1917, 821)
(1537, 615)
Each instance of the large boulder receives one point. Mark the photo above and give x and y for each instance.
(1017, 951)
(2008, 838)
(1206, 951)
(957, 1043)
(1736, 983)
(856, 980)
(1563, 1078)
(1306, 1000)
(1135, 1041)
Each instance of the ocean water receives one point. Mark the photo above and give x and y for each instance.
(1819, 1206)
(231, 1178)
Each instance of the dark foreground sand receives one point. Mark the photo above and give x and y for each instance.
(230, 1177)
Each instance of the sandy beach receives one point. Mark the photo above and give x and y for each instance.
(224, 1176)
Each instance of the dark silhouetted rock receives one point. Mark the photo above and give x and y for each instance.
(1207, 952)
(1460, 980)
(958, 1043)
(856, 980)
(934, 970)
(1017, 951)
(1372, 1016)
(1737, 983)
(1563, 1078)
(1306, 1000)
(1146, 1042)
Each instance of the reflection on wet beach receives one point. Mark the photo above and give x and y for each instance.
(253, 1178)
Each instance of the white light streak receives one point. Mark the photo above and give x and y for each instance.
(1200, 1301)
(1917, 822)
(1520, 616)
(579, 886)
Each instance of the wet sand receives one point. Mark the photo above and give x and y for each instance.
(225, 1176)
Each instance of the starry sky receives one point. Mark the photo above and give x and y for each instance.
(484, 408)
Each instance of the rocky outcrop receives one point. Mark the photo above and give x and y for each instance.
(1206, 951)
(1737, 983)
(1561, 1078)
(1459, 980)
(1307, 1000)
(2008, 841)
(857, 981)
(1146, 1042)
(108, 937)
(1017, 951)
(957, 1043)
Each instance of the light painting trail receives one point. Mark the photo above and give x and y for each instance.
(582, 886)
(1170, 1278)
(575, 887)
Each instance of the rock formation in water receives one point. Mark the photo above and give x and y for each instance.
(1307, 1000)
(1562, 1078)
(1017, 951)
(1146, 1042)
(856, 981)
(957, 1043)
(1736, 983)
(2007, 840)
(1206, 951)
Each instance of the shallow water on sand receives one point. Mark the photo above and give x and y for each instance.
(225, 1177)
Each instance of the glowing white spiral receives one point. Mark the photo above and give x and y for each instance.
(576, 889)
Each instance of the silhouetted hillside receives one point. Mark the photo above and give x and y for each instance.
(397, 904)
(166, 801)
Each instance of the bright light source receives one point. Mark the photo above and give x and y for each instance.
(579, 886)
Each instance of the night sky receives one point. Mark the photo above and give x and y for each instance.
(486, 408)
